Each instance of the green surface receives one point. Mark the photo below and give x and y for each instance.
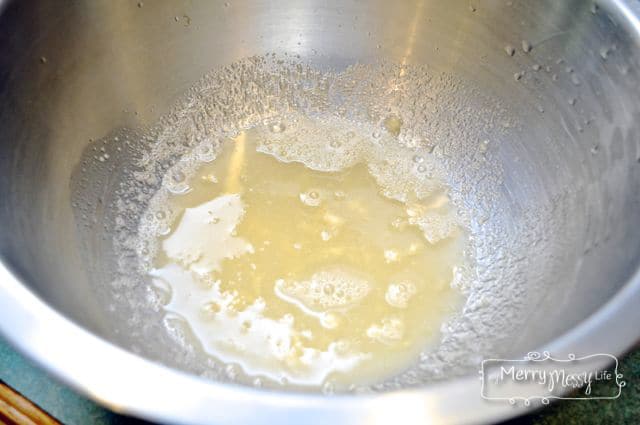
(73, 409)
(58, 400)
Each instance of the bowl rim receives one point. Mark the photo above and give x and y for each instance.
(143, 388)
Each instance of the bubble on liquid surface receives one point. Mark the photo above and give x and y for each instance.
(389, 330)
(399, 294)
(325, 290)
(311, 198)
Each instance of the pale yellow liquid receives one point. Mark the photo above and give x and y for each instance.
(304, 277)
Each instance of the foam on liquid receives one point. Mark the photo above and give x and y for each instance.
(311, 253)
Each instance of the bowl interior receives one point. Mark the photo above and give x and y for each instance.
(554, 201)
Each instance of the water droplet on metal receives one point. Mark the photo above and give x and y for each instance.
(277, 127)
(178, 177)
(484, 146)
(575, 80)
(335, 144)
(604, 53)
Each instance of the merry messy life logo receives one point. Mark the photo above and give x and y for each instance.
(539, 376)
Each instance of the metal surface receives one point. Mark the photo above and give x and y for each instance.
(74, 73)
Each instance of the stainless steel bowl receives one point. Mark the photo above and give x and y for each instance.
(73, 73)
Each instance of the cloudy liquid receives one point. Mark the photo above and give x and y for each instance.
(309, 277)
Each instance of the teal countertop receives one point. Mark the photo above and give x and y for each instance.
(58, 400)
(71, 408)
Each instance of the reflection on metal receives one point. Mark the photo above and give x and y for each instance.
(413, 32)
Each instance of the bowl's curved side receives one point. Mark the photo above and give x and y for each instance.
(145, 389)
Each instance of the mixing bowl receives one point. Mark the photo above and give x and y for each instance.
(557, 242)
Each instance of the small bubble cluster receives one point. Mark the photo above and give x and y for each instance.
(311, 198)
(328, 289)
(399, 294)
(389, 330)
